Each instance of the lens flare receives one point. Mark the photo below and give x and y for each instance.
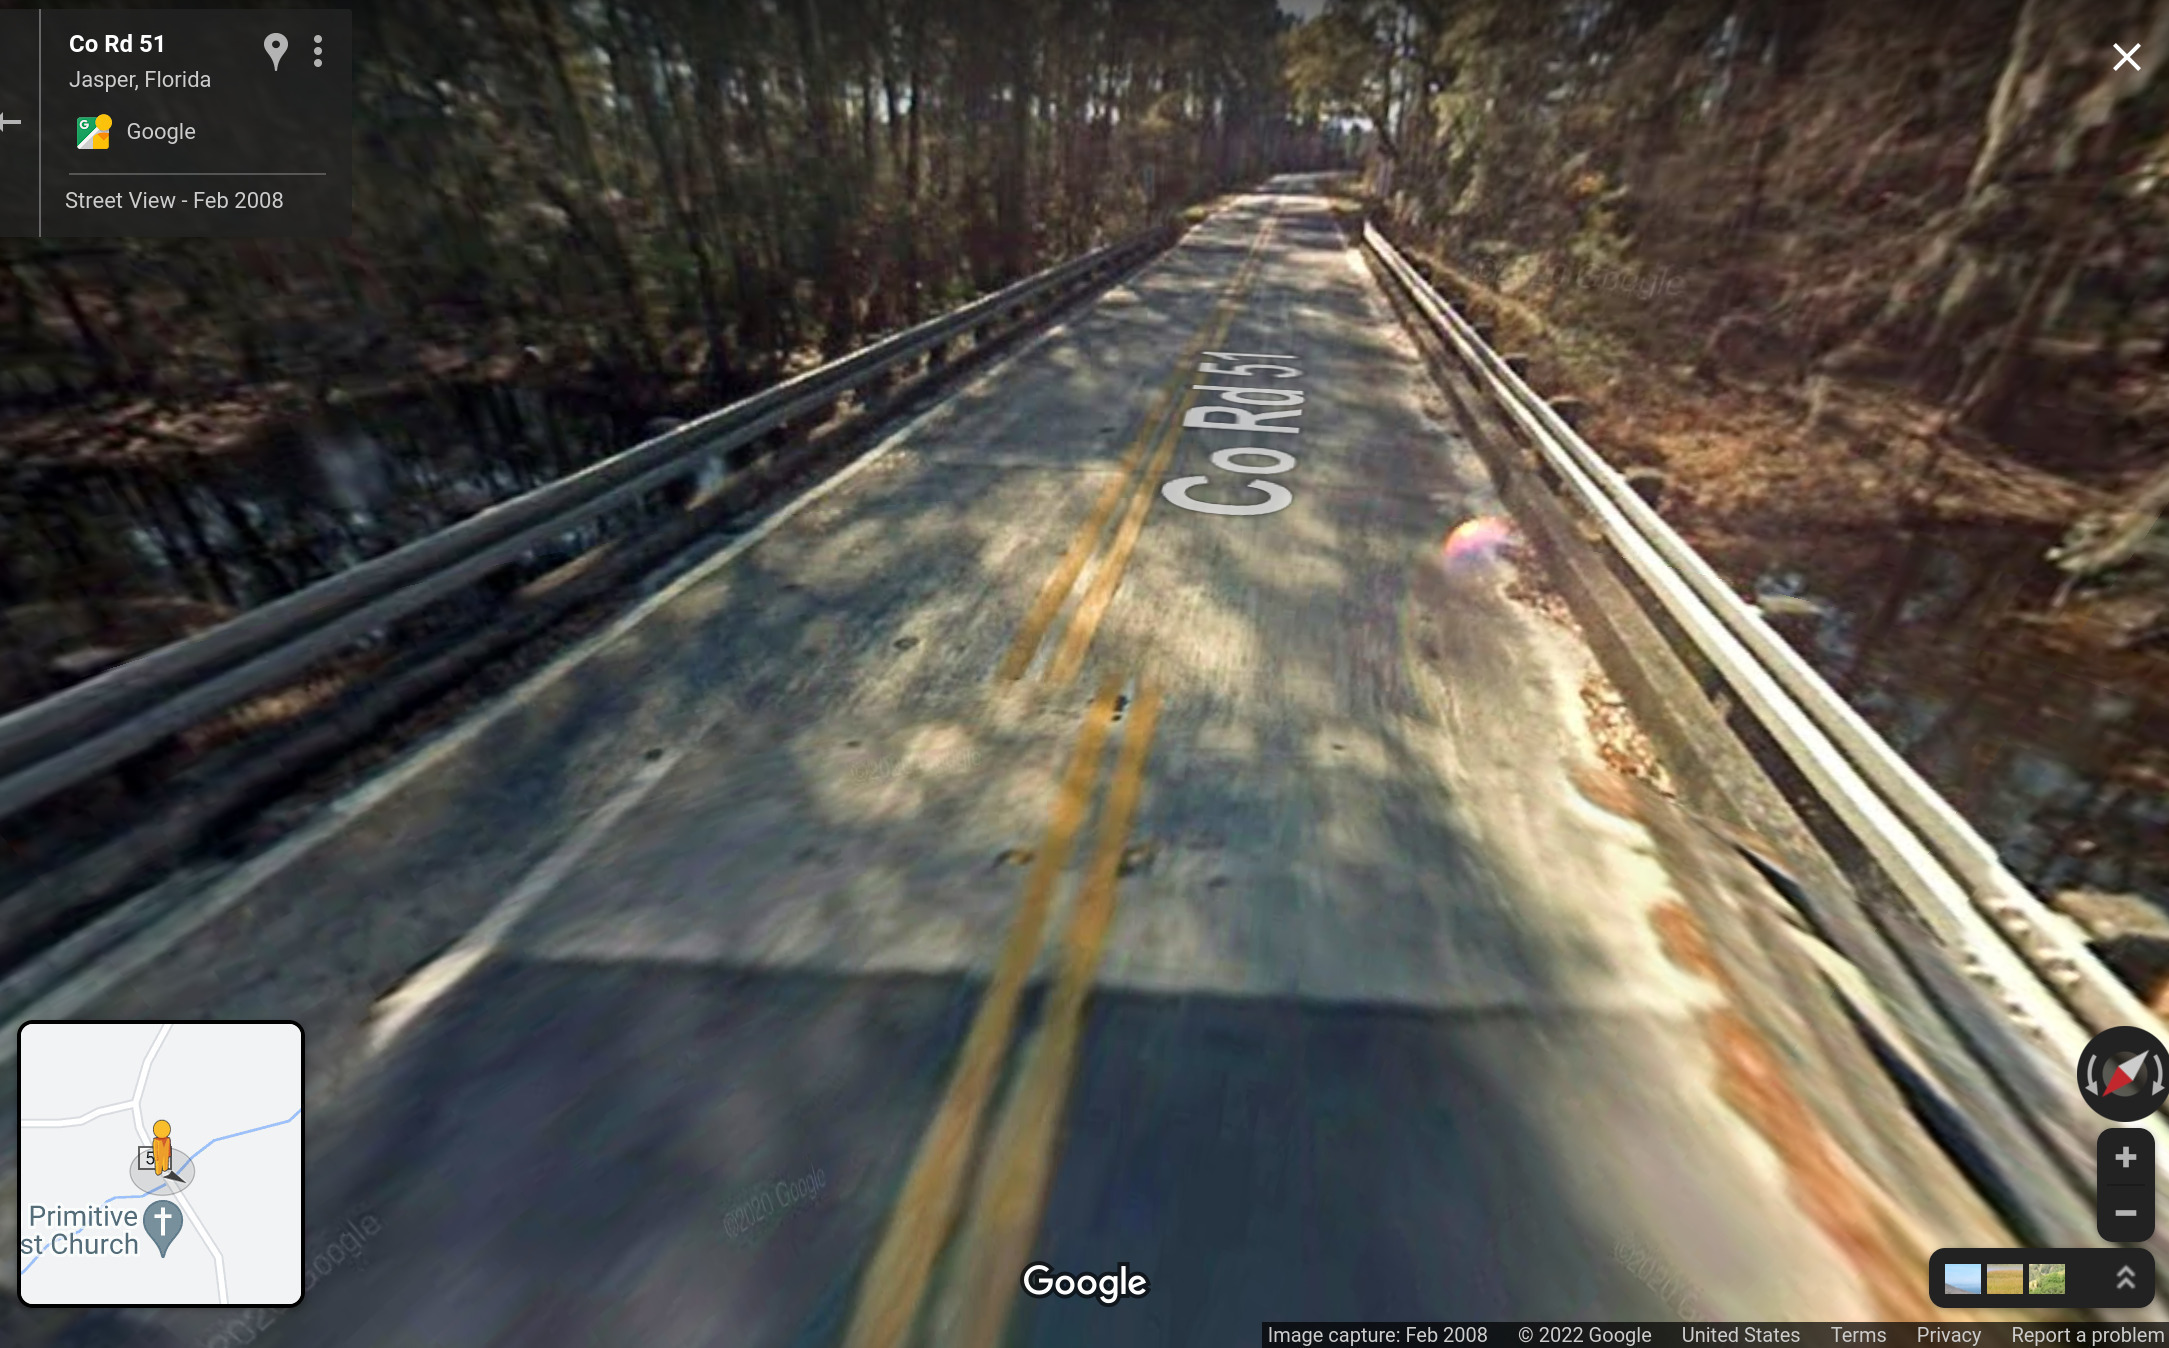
(1477, 542)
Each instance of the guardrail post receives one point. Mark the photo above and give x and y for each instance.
(1648, 483)
(758, 448)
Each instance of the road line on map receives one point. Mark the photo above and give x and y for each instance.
(926, 1209)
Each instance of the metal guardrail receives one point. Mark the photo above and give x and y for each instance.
(87, 729)
(2008, 958)
(1962, 890)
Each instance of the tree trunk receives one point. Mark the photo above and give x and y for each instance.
(2004, 109)
(95, 346)
(639, 327)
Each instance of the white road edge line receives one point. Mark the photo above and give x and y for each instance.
(103, 973)
(400, 1007)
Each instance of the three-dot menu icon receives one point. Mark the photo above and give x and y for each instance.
(275, 48)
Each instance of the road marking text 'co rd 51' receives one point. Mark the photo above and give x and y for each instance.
(1241, 418)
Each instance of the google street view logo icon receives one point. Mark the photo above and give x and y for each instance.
(93, 133)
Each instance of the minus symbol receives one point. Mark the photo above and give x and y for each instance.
(2127, 1212)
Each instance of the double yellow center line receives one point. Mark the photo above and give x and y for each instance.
(1006, 1209)
(993, 1235)
(1173, 400)
(996, 1242)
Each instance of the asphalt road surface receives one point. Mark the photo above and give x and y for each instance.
(1000, 862)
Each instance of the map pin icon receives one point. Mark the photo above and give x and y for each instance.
(276, 45)
(162, 1222)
